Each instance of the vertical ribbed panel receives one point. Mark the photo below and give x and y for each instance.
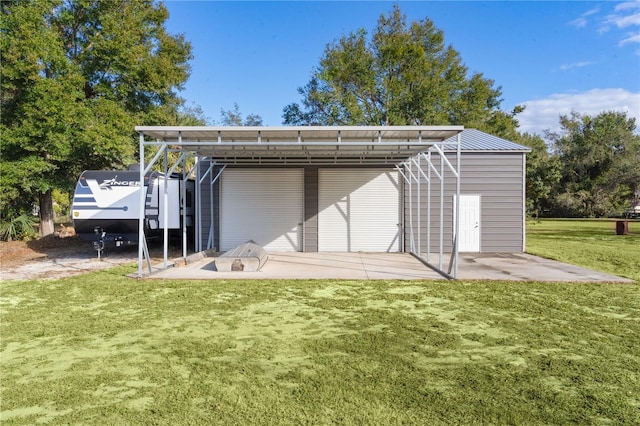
(498, 178)
(359, 210)
(263, 205)
(310, 209)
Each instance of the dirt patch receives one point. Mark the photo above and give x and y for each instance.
(52, 258)
(13, 253)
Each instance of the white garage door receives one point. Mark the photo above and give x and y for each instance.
(359, 210)
(264, 205)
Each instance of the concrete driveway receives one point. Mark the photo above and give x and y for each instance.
(526, 267)
(394, 266)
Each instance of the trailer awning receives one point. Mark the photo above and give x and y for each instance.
(303, 144)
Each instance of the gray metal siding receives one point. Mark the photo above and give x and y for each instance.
(205, 206)
(310, 233)
(205, 200)
(498, 179)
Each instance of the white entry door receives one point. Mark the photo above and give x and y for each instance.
(469, 237)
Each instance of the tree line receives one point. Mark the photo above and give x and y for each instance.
(77, 76)
(405, 74)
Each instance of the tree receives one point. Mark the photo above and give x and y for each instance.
(191, 115)
(403, 75)
(600, 160)
(77, 76)
(234, 118)
(543, 173)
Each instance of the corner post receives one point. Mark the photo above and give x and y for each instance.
(457, 218)
(141, 236)
(165, 209)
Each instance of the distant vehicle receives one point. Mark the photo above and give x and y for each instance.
(106, 206)
(633, 212)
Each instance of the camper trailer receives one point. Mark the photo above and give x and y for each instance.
(106, 206)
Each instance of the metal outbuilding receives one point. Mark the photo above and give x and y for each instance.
(492, 191)
(342, 189)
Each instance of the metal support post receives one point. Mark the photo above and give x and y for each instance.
(143, 252)
(211, 221)
(419, 206)
(198, 210)
(457, 245)
(183, 197)
(429, 206)
(411, 240)
(165, 208)
(441, 251)
(211, 183)
(403, 210)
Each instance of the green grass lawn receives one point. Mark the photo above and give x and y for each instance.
(104, 349)
(589, 243)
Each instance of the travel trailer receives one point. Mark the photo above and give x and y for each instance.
(106, 206)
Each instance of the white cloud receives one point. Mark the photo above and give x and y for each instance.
(544, 114)
(591, 11)
(622, 21)
(582, 64)
(581, 22)
(633, 38)
(628, 5)
(625, 15)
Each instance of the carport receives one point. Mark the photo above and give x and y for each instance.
(204, 153)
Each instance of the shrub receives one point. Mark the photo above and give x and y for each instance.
(18, 228)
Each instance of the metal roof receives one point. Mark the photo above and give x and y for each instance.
(303, 144)
(475, 140)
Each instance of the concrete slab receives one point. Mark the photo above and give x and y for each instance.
(394, 266)
(285, 265)
(526, 267)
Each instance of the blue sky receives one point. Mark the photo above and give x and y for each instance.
(550, 56)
